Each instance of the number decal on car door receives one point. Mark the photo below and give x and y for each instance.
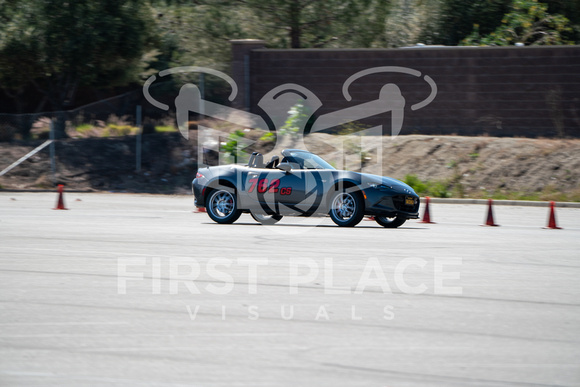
(263, 186)
(274, 186)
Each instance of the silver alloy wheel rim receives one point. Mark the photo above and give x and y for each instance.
(222, 204)
(343, 206)
(387, 219)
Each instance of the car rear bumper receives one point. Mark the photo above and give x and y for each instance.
(198, 191)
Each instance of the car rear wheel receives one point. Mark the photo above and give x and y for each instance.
(266, 219)
(346, 209)
(391, 222)
(222, 206)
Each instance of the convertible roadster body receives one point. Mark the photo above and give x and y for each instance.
(301, 184)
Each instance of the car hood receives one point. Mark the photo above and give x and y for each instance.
(389, 181)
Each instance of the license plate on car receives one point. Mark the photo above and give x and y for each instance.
(409, 201)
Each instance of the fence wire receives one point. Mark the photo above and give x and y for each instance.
(116, 110)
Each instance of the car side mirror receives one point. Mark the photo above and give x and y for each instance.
(286, 167)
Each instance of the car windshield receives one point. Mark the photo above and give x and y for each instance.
(310, 161)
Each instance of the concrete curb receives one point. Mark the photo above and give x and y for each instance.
(522, 203)
(15, 190)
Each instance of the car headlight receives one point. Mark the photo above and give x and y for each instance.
(379, 186)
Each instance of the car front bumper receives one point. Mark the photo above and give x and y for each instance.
(380, 203)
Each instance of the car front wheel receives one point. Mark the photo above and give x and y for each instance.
(346, 209)
(222, 206)
(391, 222)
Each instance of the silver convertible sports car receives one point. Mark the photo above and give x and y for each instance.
(301, 184)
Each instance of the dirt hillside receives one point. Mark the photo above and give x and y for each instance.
(517, 168)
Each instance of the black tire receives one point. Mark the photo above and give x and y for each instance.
(391, 222)
(266, 219)
(346, 208)
(222, 206)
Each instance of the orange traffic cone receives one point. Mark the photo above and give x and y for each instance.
(426, 213)
(490, 221)
(552, 218)
(60, 201)
(199, 209)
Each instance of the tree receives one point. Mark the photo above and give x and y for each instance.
(198, 33)
(60, 45)
(202, 29)
(528, 22)
(457, 18)
(571, 10)
(410, 22)
(324, 23)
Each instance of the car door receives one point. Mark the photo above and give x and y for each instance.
(302, 190)
(268, 188)
(298, 191)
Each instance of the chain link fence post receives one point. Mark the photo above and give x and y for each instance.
(52, 152)
(139, 138)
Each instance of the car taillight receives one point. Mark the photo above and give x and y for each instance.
(199, 176)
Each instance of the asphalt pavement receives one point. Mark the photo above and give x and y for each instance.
(139, 290)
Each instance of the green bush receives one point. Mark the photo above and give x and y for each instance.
(268, 137)
(231, 146)
(297, 118)
(83, 128)
(165, 129)
(113, 130)
(414, 182)
(438, 189)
